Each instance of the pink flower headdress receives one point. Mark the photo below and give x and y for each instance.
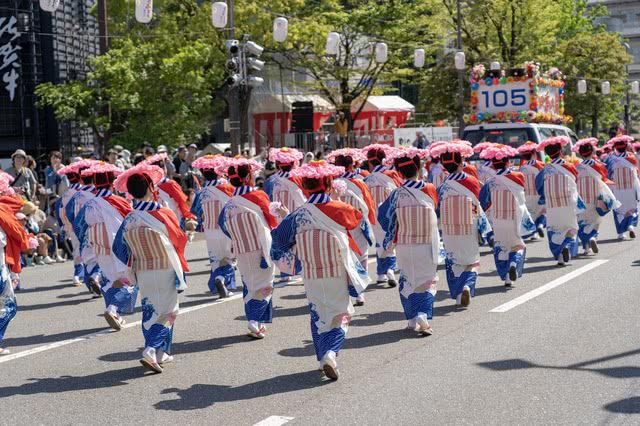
(408, 151)
(586, 141)
(387, 149)
(457, 146)
(154, 173)
(6, 177)
(355, 154)
(498, 152)
(626, 139)
(482, 145)
(76, 167)
(5, 184)
(285, 155)
(528, 146)
(223, 168)
(555, 140)
(101, 167)
(208, 162)
(156, 158)
(317, 170)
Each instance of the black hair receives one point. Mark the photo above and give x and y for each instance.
(586, 149)
(73, 177)
(410, 170)
(375, 156)
(240, 175)
(137, 159)
(553, 151)
(451, 161)
(316, 185)
(85, 180)
(344, 161)
(285, 167)
(528, 155)
(209, 174)
(499, 164)
(103, 180)
(138, 185)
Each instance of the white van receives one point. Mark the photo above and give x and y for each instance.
(516, 134)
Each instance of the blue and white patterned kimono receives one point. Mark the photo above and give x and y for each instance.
(381, 186)
(504, 203)
(462, 220)
(88, 256)
(409, 219)
(143, 243)
(244, 223)
(598, 200)
(626, 189)
(8, 305)
(97, 224)
(207, 205)
(559, 194)
(67, 225)
(330, 269)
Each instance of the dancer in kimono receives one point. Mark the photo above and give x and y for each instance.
(381, 182)
(530, 166)
(280, 186)
(207, 205)
(503, 199)
(72, 172)
(92, 274)
(13, 241)
(556, 185)
(623, 171)
(462, 220)
(485, 169)
(322, 234)
(151, 242)
(636, 150)
(171, 195)
(356, 193)
(247, 220)
(437, 173)
(409, 220)
(593, 188)
(97, 224)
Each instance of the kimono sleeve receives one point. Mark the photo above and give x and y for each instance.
(388, 218)
(80, 226)
(222, 220)
(196, 210)
(485, 197)
(540, 186)
(120, 247)
(282, 246)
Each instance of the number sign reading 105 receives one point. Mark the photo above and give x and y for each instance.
(504, 97)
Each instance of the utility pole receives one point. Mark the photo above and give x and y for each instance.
(460, 73)
(627, 104)
(234, 96)
(103, 36)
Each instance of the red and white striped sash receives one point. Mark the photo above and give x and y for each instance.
(414, 225)
(147, 250)
(530, 185)
(319, 254)
(588, 189)
(556, 190)
(99, 239)
(379, 194)
(244, 233)
(211, 212)
(284, 198)
(623, 177)
(503, 204)
(456, 215)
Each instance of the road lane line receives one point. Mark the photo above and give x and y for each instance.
(38, 349)
(549, 286)
(274, 421)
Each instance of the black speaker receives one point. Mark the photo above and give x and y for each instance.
(302, 117)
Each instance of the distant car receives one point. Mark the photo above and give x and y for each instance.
(516, 134)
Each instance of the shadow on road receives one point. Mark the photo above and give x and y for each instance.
(201, 396)
(47, 288)
(49, 338)
(623, 372)
(625, 406)
(56, 304)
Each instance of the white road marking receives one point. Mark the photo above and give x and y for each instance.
(274, 421)
(61, 343)
(549, 286)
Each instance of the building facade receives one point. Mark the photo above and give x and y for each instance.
(36, 47)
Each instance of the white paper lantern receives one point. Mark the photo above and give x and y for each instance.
(605, 87)
(495, 66)
(460, 61)
(49, 5)
(418, 58)
(280, 29)
(219, 14)
(144, 11)
(381, 53)
(635, 87)
(582, 87)
(333, 41)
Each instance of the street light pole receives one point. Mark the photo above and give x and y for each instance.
(460, 74)
(627, 104)
(233, 98)
(103, 36)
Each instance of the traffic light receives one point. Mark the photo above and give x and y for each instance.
(252, 64)
(243, 62)
(233, 64)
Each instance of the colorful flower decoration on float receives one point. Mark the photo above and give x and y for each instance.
(555, 140)
(586, 141)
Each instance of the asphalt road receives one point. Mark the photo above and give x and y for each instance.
(569, 355)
